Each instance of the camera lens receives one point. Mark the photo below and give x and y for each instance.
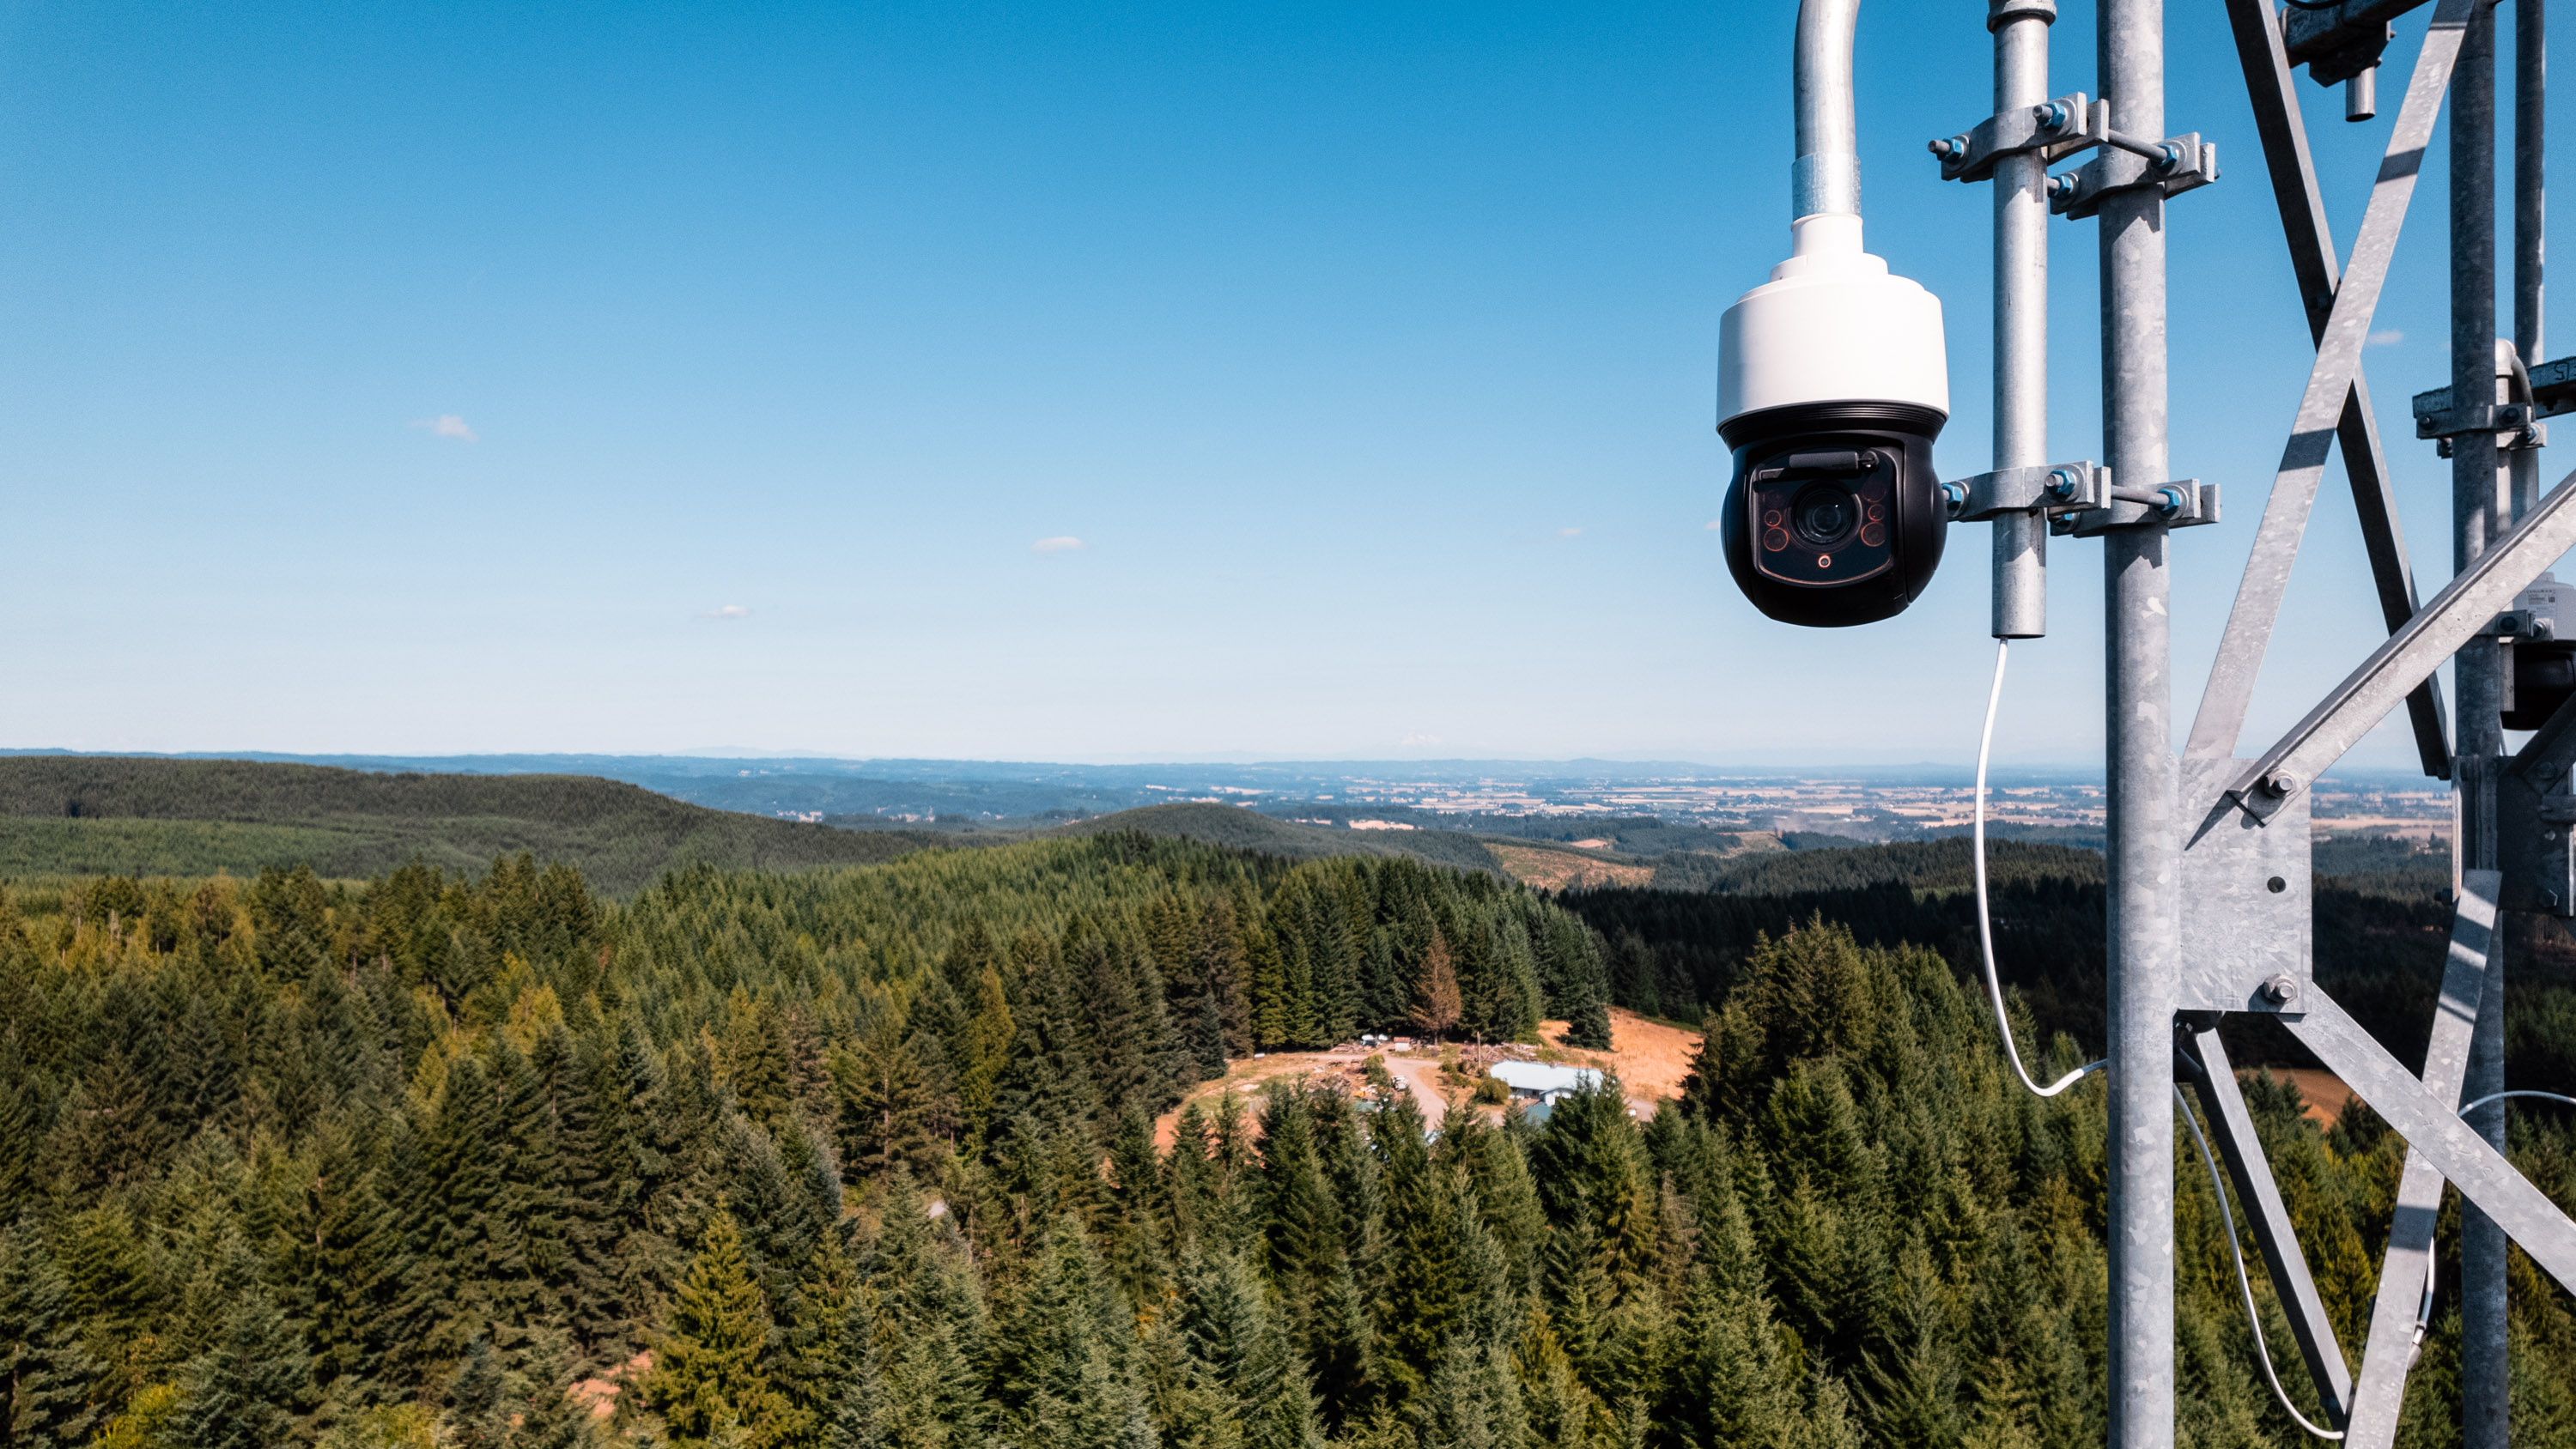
(1824, 514)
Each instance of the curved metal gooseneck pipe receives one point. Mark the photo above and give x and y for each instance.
(1826, 175)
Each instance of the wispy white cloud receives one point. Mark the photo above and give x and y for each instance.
(1066, 543)
(2385, 337)
(728, 611)
(446, 425)
(1715, 524)
(1416, 741)
(1568, 532)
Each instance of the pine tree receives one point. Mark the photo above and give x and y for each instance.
(110, 1292)
(708, 1378)
(1068, 1363)
(549, 1415)
(478, 1405)
(1421, 1302)
(1239, 1360)
(1436, 1003)
(884, 1104)
(818, 1354)
(46, 1376)
(929, 1334)
(246, 1392)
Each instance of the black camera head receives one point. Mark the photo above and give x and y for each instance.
(1834, 516)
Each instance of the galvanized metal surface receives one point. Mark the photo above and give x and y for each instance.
(2020, 542)
(2314, 262)
(2536, 820)
(2043, 126)
(2221, 717)
(2389, 1351)
(2238, 1146)
(2447, 621)
(2145, 914)
(2530, 211)
(1826, 175)
(2481, 508)
(2246, 919)
(2181, 163)
(2430, 1124)
(2042, 487)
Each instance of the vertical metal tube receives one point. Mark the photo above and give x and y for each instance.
(2476, 516)
(2530, 205)
(2021, 317)
(2144, 915)
(1826, 175)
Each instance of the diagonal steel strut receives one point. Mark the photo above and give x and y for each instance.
(2232, 1127)
(2266, 61)
(2390, 1350)
(2445, 625)
(2432, 1126)
(2330, 388)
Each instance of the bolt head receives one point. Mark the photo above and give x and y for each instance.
(2061, 483)
(2279, 784)
(2279, 990)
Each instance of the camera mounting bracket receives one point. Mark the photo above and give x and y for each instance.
(2048, 488)
(2178, 164)
(2054, 129)
(2182, 503)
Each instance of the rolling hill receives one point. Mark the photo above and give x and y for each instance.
(91, 815)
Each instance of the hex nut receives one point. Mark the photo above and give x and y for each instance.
(2279, 991)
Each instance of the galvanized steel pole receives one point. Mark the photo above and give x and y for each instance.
(2530, 207)
(2021, 316)
(1825, 177)
(2478, 513)
(2144, 911)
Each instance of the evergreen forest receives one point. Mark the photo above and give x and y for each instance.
(869, 1156)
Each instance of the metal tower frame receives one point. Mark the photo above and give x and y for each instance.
(2209, 850)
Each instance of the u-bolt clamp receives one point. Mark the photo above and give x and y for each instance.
(2176, 165)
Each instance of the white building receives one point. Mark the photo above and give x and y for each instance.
(1539, 1082)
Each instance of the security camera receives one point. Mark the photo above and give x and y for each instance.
(1832, 385)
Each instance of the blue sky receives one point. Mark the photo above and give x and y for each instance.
(634, 378)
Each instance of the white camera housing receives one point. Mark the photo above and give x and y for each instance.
(1832, 325)
(1833, 382)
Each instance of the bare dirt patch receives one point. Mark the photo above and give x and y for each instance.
(1651, 1060)
(1557, 870)
(2324, 1092)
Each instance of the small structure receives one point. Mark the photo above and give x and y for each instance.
(1539, 1082)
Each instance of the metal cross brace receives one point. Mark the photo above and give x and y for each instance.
(2213, 1079)
(2335, 402)
(2430, 1122)
(2464, 607)
(2390, 1350)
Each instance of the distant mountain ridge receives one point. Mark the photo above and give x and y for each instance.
(95, 815)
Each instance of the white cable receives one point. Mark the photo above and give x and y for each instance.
(1985, 922)
(2500, 1096)
(2253, 1319)
(2424, 1311)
